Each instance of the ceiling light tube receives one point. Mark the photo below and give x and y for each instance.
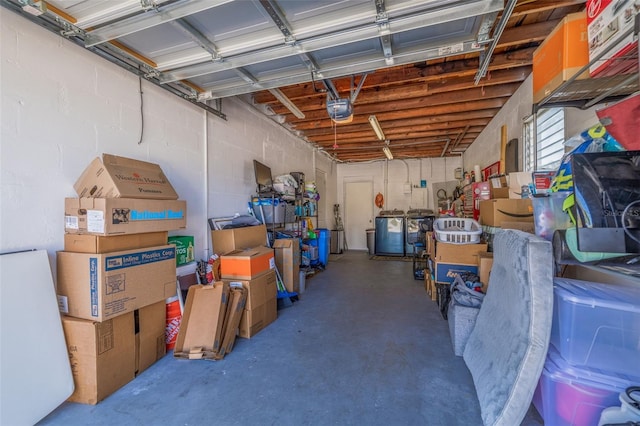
(376, 127)
(387, 152)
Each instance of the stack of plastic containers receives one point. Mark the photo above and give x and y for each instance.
(594, 353)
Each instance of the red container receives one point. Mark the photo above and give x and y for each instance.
(174, 316)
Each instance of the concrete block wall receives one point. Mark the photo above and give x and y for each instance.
(62, 106)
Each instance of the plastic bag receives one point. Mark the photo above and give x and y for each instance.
(594, 139)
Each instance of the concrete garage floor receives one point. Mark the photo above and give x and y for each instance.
(364, 345)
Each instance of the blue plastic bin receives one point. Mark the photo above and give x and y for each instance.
(324, 245)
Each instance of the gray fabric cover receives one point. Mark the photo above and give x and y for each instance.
(508, 345)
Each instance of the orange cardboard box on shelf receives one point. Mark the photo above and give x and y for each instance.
(117, 216)
(104, 285)
(119, 177)
(564, 52)
(247, 264)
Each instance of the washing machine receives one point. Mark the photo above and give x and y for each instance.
(389, 233)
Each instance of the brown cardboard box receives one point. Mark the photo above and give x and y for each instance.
(120, 177)
(561, 55)
(494, 212)
(261, 305)
(521, 226)
(287, 252)
(256, 319)
(458, 253)
(116, 216)
(102, 356)
(430, 242)
(227, 240)
(84, 243)
(446, 272)
(150, 323)
(485, 261)
(102, 286)
(247, 264)
(237, 299)
(516, 181)
(500, 193)
(259, 289)
(201, 327)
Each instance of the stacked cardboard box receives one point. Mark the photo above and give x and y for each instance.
(115, 273)
(452, 259)
(245, 262)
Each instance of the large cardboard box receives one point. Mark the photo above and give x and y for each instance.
(102, 356)
(485, 262)
(259, 290)
(115, 216)
(103, 285)
(150, 323)
(561, 55)
(261, 305)
(607, 21)
(200, 331)
(121, 177)
(247, 264)
(86, 243)
(255, 320)
(458, 253)
(237, 299)
(287, 252)
(227, 240)
(446, 272)
(516, 181)
(494, 212)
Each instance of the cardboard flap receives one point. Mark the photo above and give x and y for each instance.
(203, 317)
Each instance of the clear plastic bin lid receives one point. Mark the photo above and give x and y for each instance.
(594, 294)
(560, 370)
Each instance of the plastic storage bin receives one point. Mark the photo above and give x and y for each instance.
(597, 325)
(274, 210)
(457, 230)
(568, 395)
(548, 214)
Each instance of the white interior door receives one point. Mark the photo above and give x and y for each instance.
(358, 213)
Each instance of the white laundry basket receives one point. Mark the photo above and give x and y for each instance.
(457, 230)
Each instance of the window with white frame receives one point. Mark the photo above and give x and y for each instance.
(543, 136)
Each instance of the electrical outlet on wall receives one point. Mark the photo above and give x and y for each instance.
(407, 188)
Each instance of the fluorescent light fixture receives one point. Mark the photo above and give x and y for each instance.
(376, 127)
(387, 152)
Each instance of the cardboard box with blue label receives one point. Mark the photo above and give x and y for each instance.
(118, 216)
(446, 272)
(101, 286)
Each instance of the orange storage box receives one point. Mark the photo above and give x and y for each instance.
(561, 55)
(247, 264)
